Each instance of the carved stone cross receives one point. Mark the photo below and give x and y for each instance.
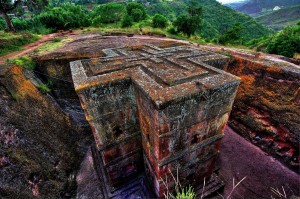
(156, 110)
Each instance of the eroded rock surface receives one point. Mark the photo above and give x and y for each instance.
(267, 107)
(39, 150)
(165, 103)
(277, 108)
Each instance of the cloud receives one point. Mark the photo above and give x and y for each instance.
(228, 1)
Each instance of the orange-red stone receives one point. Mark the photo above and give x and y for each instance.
(164, 104)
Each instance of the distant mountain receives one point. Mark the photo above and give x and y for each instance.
(217, 18)
(277, 20)
(237, 4)
(259, 7)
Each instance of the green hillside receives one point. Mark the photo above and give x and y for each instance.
(277, 20)
(259, 7)
(217, 18)
(286, 42)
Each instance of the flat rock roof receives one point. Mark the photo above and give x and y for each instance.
(164, 74)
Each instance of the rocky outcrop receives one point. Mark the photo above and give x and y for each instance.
(162, 106)
(39, 150)
(267, 107)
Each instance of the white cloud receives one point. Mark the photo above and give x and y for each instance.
(228, 1)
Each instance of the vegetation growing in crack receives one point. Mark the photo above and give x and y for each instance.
(23, 61)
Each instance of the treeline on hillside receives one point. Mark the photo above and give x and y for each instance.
(207, 19)
(68, 16)
(286, 42)
(216, 18)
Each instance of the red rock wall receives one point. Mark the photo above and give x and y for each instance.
(167, 102)
(185, 136)
(112, 111)
(267, 107)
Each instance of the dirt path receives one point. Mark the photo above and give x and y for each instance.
(32, 46)
(28, 47)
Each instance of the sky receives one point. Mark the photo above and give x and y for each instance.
(228, 1)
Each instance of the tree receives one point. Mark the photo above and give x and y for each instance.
(127, 21)
(286, 42)
(233, 35)
(9, 5)
(108, 13)
(159, 21)
(137, 11)
(137, 15)
(188, 24)
(64, 17)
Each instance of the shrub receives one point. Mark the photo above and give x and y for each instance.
(56, 40)
(172, 31)
(12, 42)
(33, 25)
(286, 42)
(2, 24)
(186, 193)
(65, 17)
(137, 11)
(21, 24)
(43, 88)
(23, 61)
(127, 21)
(15, 96)
(108, 13)
(188, 24)
(233, 35)
(137, 15)
(159, 21)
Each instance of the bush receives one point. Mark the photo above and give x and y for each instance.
(33, 25)
(286, 42)
(12, 42)
(188, 24)
(2, 24)
(186, 193)
(108, 13)
(65, 17)
(43, 88)
(137, 11)
(159, 21)
(23, 61)
(137, 15)
(233, 35)
(127, 21)
(21, 24)
(172, 31)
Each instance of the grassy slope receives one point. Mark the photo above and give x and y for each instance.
(256, 6)
(10, 42)
(279, 19)
(222, 18)
(217, 18)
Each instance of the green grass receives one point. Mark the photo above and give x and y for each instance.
(44, 88)
(52, 45)
(146, 30)
(15, 96)
(186, 193)
(23, 61)
(10, 42)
